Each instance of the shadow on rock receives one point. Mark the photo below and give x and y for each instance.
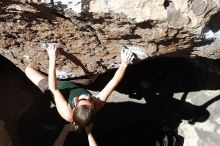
(128, 124)
(157, 121)
(25, 111)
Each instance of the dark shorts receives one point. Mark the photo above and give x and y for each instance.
(43, 85)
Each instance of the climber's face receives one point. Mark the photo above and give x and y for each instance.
(85, 100)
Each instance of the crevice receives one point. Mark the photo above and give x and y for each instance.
(166, 3)
(131, 36)
(85, 6)
(214, 23)
(146, 24)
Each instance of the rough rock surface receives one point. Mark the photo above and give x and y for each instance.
(92, 33)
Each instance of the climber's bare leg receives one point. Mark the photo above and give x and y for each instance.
(34, 75)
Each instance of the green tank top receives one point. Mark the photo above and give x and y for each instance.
(71, 90)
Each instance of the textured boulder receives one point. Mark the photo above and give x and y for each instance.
(91, 33)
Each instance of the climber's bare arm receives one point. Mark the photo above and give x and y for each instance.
(63, 134)
(91, 139)
(126, 58)
(62, 105)
(71, 128)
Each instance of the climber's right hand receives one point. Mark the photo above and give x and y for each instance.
(52, 51)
